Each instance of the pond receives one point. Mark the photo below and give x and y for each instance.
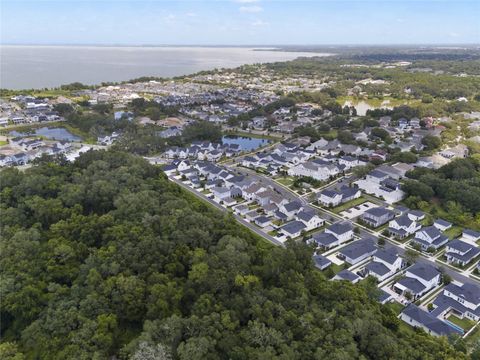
(246, 143)
(49, 133)
(362, 106)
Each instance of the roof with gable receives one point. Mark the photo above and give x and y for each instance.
(293, 227)
(424, 271)
(358, 248)
(429, 321)
(387, 255)
(346, 275)
(340, 228)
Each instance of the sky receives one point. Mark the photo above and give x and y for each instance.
(239, 22)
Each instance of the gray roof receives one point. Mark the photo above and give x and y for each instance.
(389, 256)
(329, 193)
(378, 174)
(403, 220)
(415, 286)
(324, 239)
(305, 215)
(378, 212)
(347, 275)
(293, 227)
(469, 292)
(431, 231)
(358, 248)
(321, 261)
(262, 219)
(377, 268)
(429, 321)
(292, 206)
(442, 222)
(459, 245)
(423, 271)
(471, 233)
(340, 228)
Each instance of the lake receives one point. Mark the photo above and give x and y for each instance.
(246, 143)
(49, 133)
(26, 67)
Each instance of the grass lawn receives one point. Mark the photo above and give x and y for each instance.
(465, 324)
(335, 268)
(287, 181)
(395, 306)
(474, 337)
(348, 205)
(453, 232)
(3, 142)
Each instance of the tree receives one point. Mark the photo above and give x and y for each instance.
(411, 256)
(147, 351)
(431, 142)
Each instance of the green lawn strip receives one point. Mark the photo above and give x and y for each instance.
(454, 232)
(395, 306)
(465, 324)
(348, 205)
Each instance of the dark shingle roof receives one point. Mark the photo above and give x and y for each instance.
(429, 321)
(424, 271)
(358, 248)
(347, 275)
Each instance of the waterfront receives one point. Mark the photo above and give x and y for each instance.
(25, 67)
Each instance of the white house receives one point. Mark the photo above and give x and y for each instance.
(402, 227)
(310, 219)
(430, 237)
(461, 252)
(385, 263)
(418, 280)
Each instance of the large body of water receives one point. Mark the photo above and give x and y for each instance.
(25, 67)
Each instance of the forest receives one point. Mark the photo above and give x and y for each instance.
(453, 190)
(105, 257)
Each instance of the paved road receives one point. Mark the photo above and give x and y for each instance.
(327, 215)
(252, 227)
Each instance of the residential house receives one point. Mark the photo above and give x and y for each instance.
(470, 236)
(335, 197)
(292, 229)
(460, 252)
(377, 216)
(419, 279)
(461, 300)
(402, 227)
(358, 251)
(386, 262)
(347, 275)
(310, 219)
(416, 215)
(442, 225)
(429, 238)
(321, 262)
(263, 221)
(416, 317)
(291, 209)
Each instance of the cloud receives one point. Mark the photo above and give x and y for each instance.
(259, 23)
(251, 9)
(191, 14)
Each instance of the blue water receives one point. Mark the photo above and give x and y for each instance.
(50, 133)
(246, 143)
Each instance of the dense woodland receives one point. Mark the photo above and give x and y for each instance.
(106, 257)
